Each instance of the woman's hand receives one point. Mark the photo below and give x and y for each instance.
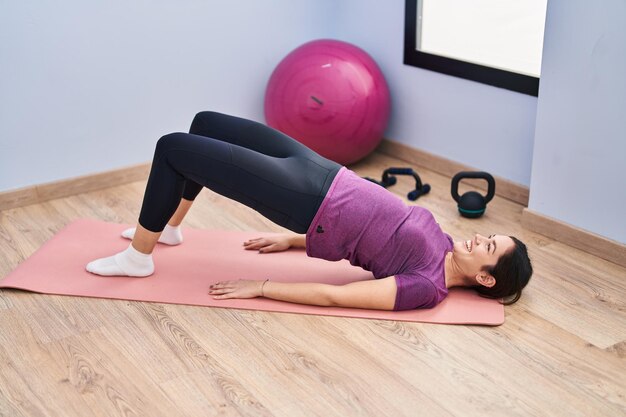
(269, 244)
(242, 288)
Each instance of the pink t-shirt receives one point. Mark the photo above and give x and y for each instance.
(372, 228)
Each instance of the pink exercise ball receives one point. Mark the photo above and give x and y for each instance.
(332, 97)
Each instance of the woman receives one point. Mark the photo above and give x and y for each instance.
(337, 214)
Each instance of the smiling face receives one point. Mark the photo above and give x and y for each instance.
(474, 254)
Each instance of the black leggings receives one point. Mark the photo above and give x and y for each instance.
(240, 159)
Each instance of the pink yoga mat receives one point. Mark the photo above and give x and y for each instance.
(184, 273)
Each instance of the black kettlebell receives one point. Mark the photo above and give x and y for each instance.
(388, 180)
(473, 204)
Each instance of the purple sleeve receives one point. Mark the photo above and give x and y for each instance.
(414, 291)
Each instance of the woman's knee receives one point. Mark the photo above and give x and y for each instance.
(170, 141)
(206, 115)
(203, 120)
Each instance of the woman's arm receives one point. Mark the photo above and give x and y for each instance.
(379, 294)
(276, 243)
(298, 241)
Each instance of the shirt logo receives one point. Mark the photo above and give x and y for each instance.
(320, 229)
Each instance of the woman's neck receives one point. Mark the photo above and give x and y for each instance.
(453, 274)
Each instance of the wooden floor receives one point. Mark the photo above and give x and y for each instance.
(561, 351)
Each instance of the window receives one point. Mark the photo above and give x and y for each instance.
(496, 42)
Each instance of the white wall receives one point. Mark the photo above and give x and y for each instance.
(579, 161)
(485, 127)
(90, 86)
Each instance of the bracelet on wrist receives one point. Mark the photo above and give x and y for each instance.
(262, 286)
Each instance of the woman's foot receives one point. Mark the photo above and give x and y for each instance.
(171, 235)
(129, 262)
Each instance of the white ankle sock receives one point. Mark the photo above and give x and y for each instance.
(172, 235)
(130, 263)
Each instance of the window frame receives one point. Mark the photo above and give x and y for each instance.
(513, 81)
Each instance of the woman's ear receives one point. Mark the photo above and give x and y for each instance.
(485, 279)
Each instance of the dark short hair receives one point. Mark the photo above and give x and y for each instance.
(512, 272)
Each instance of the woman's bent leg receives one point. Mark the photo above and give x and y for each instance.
(163, 192)
(287, 184)
(172, 233)
(287, 190)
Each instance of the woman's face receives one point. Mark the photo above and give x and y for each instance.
(474, 254)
